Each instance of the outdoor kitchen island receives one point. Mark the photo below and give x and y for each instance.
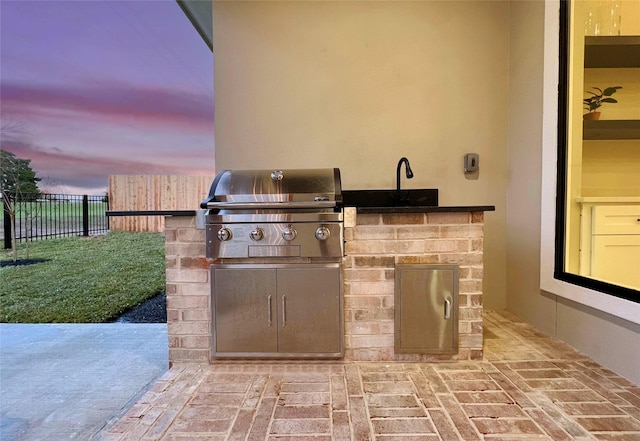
(377, 239)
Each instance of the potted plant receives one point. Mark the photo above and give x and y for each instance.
(597, 99)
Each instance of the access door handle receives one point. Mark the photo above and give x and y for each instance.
(284, 311)
(447, 308)
(269, 309)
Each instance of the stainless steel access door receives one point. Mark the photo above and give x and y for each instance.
(244, 310)
(310, 310)
(426, 309)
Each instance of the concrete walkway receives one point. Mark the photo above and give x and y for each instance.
(67, 381)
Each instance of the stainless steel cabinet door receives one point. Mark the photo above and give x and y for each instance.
(310, 319)
(426, 309)
(244, 309)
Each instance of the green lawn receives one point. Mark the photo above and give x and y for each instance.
(58, 209)
(86, 280)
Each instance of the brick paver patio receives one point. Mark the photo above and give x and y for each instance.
(528, 387)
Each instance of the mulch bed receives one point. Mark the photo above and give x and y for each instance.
(21, 262)
(153, 310)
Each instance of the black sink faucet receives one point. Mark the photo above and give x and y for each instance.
(409, 173)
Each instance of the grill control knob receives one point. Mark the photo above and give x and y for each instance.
(289, 233)
(323, 233)
(224, 234)
(257, 234)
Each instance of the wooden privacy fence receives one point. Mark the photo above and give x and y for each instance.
(151, 193)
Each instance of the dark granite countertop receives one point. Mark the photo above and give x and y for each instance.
(423, 209)
(152, 213)
(414, 200)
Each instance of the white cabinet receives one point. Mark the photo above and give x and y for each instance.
(614, 248)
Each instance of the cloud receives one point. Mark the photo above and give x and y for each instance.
(117, 102)
(77, 137)
(58, 169)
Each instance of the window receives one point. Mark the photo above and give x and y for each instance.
(598, 183)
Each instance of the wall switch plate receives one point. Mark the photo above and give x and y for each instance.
(471, 161)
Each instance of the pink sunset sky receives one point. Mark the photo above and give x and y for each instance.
(94, 88)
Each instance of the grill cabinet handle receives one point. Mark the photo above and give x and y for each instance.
(447, 308)
(269, 308)
(284, 311)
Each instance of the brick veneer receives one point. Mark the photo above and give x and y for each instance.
(374, 244)
(188, 291)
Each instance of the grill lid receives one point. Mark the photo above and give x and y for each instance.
(267, 189)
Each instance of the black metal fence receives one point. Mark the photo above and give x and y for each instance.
(54, 215)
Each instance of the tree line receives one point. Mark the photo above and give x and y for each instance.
(19, 180)
(18, 183)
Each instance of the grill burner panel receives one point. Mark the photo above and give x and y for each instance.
(273, 244)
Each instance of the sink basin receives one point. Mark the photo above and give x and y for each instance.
(389, 198)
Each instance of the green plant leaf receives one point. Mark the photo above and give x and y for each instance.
(611, 90)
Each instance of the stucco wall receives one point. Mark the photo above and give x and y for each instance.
(357, 85)
(525, 163)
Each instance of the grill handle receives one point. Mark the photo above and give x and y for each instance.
(212, 190)
(268, 205)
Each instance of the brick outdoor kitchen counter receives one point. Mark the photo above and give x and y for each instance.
(376, 240)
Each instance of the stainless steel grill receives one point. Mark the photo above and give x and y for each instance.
(275, 213)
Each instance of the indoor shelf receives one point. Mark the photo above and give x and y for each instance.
(612, 51)
(611, 129)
